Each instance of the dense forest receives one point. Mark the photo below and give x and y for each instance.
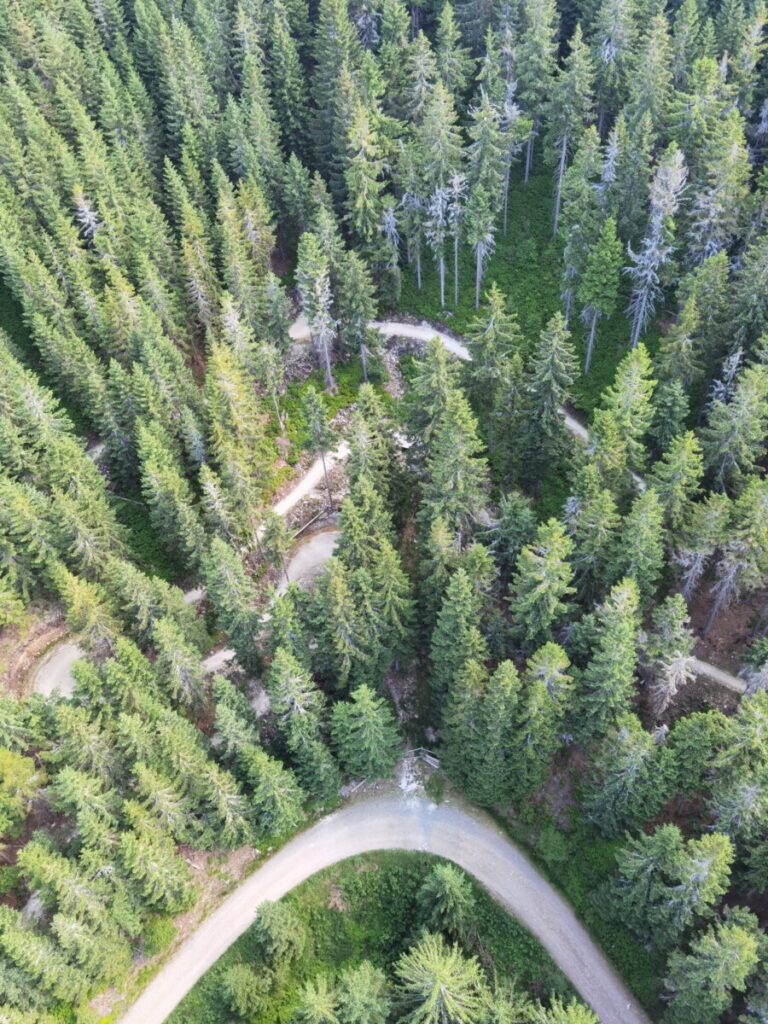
(520, 591)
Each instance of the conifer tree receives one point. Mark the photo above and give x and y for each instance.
(598, 288)
(363, 995)
(626, 786)
(437, 983)
(676, 477)
(480, 230)
(605, 685)
(536, 64)
(628, 399)
(454, 63)
(552, 371)
(365, 735)
(478, 728)
(668, 652)
(569, 110)
(699, 984)
(447, 901)
(657, 245)
(319, 437)
(456, 638)
(540, 584)
(456, 477)
(640, 548)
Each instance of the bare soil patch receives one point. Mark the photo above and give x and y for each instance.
(735, 627)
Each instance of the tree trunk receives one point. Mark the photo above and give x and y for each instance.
(456, 268)
(441, 265)
(529, 150)
(568, 303)
(364, 361)
(559, 186)
(277, 412)
(507, 174)
(327, 481)
(329, 384)
(590, 341)
(418, 267)
(478, 277)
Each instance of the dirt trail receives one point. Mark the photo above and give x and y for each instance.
(395, 820)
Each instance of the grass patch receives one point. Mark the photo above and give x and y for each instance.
(365, 908)
(348, 378)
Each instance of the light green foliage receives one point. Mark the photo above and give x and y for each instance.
(20, 779)
(701, 983)
(437, 983)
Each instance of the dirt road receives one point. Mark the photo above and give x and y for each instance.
(394, 820)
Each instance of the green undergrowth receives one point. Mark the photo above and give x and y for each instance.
(366, 908)
(527, 266)
(147, 548)
(347, 377)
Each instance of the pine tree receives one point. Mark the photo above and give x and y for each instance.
(540, 584)
(365, 735)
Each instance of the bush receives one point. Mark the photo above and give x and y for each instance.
(158, 935)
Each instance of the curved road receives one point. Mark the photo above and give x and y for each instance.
(393, 820)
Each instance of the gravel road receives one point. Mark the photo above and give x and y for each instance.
(394, 820)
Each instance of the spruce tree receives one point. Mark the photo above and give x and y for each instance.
(540, 584)
(605, 685)
(569, 111)
(365, 735)
(598, 288)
